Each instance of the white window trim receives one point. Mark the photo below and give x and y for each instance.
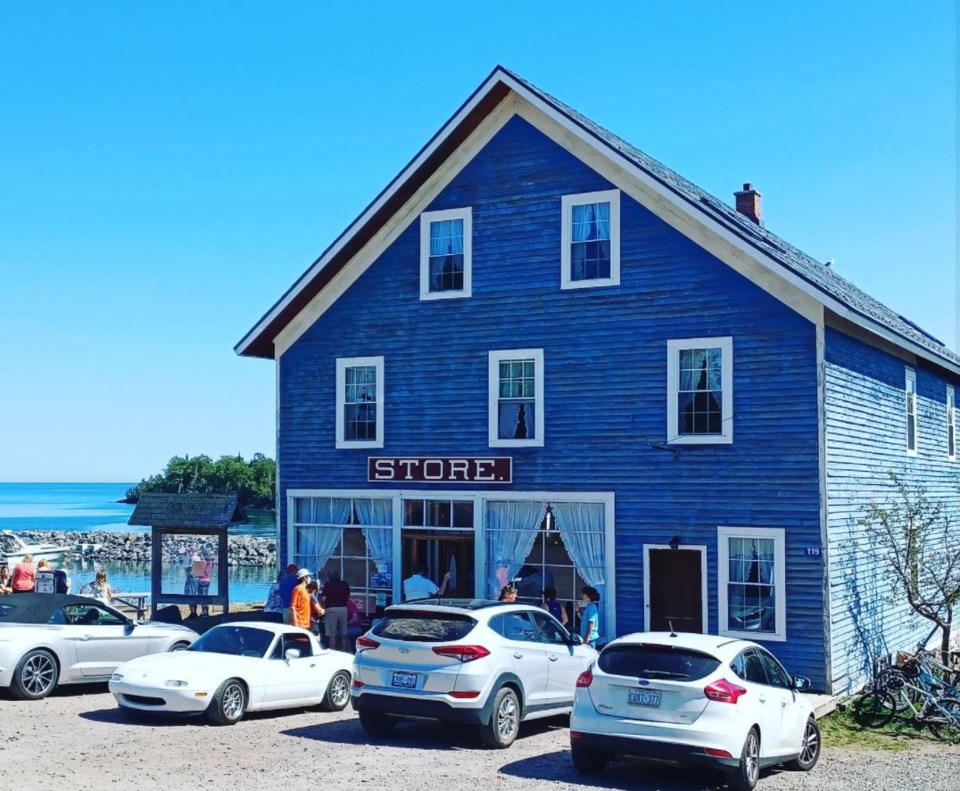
(567, 202)
(351, 362)
(778, 534)
(704, 588)
(911, 378)
(480, 519)
(725, 344)
(951, 422)
(465, 214)
(493, 393)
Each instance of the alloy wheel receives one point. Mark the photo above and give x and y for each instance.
(38, 674)
(811, 744)
(507, 718)
(752, 755)
(339, 690)
(233, 701)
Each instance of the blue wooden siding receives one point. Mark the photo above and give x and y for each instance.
(866, 440)
(605, 378)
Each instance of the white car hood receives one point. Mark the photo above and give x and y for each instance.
(194, 667)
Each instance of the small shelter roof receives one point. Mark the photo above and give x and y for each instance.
(188, 510)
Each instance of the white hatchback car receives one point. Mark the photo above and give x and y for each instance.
(693, 698)
(485, 663)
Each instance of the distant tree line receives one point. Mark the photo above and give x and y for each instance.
(254, 481)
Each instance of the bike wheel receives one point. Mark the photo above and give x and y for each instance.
(874, 710)
(943, 719)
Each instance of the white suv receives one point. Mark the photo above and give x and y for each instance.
(486, 663)
(693, 698)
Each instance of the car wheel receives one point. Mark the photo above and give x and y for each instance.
(809, 749)
(338, 692)
(181, 646)
(376, 724)
(504, 723)
(35, 675)
(228, 704)
(746, 775)
(587, 761)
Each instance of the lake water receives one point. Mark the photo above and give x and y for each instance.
(93, 506)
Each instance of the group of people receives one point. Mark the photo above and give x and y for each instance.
(23, 578)
(588, 606)
(297, 599)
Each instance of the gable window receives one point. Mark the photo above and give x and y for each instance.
(590, 239)
(910, 394)
(752, 583)
(516, 398)
(951, 425)
(700, 391)
(360, 402)
(446, 249)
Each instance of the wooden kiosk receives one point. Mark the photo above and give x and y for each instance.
(189, 559)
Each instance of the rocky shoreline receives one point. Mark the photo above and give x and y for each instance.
(112, 547)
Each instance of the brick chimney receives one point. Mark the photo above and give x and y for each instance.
(749, 203)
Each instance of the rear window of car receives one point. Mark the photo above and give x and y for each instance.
(7, 611)
(421, 626)
(657, 661)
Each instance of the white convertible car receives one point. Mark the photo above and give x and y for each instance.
(235, 668)
(48, 639)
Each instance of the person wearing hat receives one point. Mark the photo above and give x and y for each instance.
(286, 591)
(300, 602)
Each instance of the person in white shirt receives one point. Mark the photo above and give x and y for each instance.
(419, 586)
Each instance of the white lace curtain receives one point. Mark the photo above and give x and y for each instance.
(512, 529)
(317, 531)
(373, 514)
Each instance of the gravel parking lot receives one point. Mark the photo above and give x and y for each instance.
(77, 739)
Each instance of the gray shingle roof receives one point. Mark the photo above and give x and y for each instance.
(813, 272)
(187, 510)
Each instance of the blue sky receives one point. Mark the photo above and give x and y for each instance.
(168, 169)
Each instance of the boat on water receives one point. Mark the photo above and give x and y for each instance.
(13, 549)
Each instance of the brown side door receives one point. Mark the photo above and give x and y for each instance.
(676, 590)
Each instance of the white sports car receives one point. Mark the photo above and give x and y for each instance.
(235, 668)
(48, 639)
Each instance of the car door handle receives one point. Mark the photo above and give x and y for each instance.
(552, 657)
(762, 699)
(313, 665)
(517, 655)
(86, 637)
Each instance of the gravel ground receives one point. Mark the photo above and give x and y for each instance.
(77, 739)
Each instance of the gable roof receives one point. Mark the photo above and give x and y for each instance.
(822, 282)
(187, 510)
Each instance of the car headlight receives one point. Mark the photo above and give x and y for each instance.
(175, 683)
(117, 677)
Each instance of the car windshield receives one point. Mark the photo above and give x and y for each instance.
(656, 661)
(423, 626)
(235, 640)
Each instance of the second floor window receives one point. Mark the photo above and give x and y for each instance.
(951, 425)
(360, 402)
(446, 253)
(700, 391)
(590, 239)
(516, 398)
(910, 397)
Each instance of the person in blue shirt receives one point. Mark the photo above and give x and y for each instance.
(590, 615)
(287, 584)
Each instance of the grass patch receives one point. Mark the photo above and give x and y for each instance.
(843, 729)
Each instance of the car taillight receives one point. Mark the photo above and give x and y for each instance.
(465, 653)
(723, 691)
(715, 752)
(366, 644)
(585, 679)
(465, 694)
(357, 683)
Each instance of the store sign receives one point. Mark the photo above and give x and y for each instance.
(480, 469)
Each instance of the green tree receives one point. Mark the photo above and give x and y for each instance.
(254, 482)
(916, 532)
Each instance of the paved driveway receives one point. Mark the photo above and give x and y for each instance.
(77, 739)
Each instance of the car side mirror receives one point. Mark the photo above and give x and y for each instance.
(291, 653)
(800, 683)
(576, 639)
(128, 627)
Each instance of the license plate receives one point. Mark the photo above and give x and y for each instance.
(406, 680)
(644, 697)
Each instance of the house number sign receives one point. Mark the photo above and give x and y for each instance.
(434, 469)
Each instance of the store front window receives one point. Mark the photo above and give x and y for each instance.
(353, 536)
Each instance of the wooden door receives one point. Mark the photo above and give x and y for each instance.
(675, 590)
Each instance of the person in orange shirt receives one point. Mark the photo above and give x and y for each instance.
(301, 605)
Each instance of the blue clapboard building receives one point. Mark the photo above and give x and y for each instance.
(541, 356)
